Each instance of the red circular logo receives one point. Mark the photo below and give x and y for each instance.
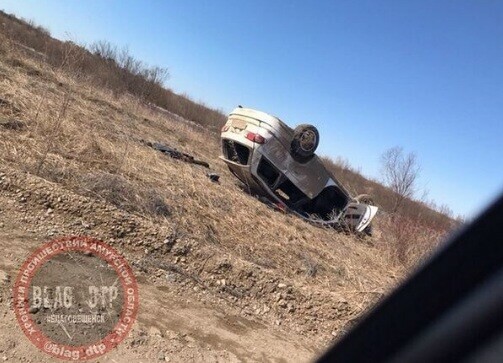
(76, 298)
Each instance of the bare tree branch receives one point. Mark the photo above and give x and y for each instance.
(399, 172)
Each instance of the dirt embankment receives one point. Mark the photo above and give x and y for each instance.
(222, 276)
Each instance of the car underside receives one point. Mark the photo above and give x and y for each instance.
(257, 149)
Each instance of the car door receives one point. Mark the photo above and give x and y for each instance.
(359, 215)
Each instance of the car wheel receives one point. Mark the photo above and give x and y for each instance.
(305, 141)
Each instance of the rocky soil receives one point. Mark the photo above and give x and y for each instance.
(188, 311)
(222, 276)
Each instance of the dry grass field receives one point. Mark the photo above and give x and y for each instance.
(83, 140)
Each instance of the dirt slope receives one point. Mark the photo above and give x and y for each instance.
(223, 277)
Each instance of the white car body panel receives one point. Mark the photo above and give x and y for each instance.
(310, 178)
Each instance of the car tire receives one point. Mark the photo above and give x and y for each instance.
(305, 141)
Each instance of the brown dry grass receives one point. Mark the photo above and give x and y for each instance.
(414, 210)
(87, 140)
(106, 66)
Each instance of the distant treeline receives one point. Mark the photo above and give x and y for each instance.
(417, 210)
(108, 66)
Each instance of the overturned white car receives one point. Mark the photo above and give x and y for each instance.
(280, 163)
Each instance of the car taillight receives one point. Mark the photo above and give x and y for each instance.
(225, 128)
(259, 139)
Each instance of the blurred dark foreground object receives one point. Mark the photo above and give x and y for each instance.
(451, 310)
